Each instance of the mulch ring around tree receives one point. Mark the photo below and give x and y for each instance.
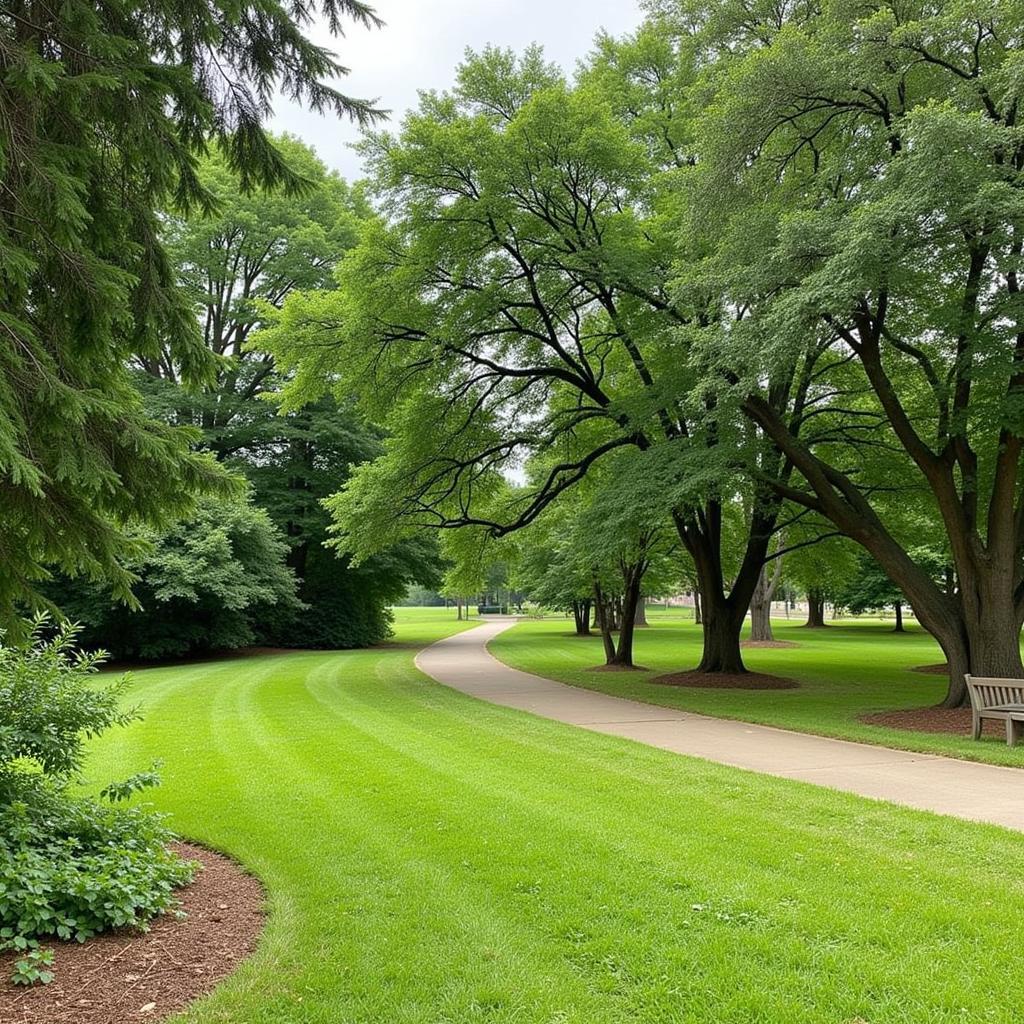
(767, 643)
(937, 720)
(126, 976)
(932, 670)
(726, 681)
(617, 668)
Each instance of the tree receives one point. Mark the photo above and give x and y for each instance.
(206, 583)
(761, 602)
(862, 173)
(548, 567)
(871, 590)
(250, 255)
(103, 112)
(234, 266)
(823, 571)
(515, 302)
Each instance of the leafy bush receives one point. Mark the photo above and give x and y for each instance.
(69, 867)
(204, 584)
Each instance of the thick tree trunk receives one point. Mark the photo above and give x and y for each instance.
(721, 641)
(815, 609)
(761, 621)
(898, 609)
(976, 617)
(724, 614)
(761, 603)
(989, 644)
(640, 616)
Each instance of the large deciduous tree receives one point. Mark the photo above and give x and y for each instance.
(863, 170)
(104, 109)
(513, 300)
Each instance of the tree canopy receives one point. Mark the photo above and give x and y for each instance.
(104, 113)
(862, 175)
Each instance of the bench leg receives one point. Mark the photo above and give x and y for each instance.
(1013, 732)
(975, 726)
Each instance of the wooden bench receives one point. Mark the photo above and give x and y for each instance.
(1001, 699)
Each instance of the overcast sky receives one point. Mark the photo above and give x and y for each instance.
(422, 43)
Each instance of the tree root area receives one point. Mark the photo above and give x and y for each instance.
(127, 976)
(726, 681)
(932, 670)
(938, 720)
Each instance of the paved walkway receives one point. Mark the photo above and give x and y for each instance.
(977, 792)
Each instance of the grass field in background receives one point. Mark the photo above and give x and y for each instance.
(434, 859)
(845, 670)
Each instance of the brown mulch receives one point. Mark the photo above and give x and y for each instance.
(124, 977)
(767, 643)
(932, 670)
(727, 681)
(944, 720)
(616, 668)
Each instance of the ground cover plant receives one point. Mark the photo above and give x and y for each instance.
(432, 858)
(851, 668)
(69, 867)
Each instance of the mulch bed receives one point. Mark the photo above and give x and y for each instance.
(932, 670)
(767, 643)
(941, 720)
(616, 668)
(726, 681)
(123, 977)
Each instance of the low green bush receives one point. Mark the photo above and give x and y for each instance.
(70, 866)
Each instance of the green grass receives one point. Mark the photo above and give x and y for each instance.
(844, 671)
(432, 859)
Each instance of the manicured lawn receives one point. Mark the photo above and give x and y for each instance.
(431, 859)
(844, 671)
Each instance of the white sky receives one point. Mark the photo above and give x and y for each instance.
(422, 43)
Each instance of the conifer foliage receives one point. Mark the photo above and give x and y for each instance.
(105, 110)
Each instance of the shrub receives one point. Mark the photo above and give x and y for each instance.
(69, 866)
(204, 584)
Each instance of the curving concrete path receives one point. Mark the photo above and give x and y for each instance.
(929, 782)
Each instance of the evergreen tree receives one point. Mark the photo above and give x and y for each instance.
(234, 267)
(104, 111)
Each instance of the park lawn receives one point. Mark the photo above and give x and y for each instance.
(433, 859)
(845, 670)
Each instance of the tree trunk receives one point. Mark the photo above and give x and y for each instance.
(761, 621)
(581, 617)
(458, 604)
(721, 641)
(640, 616)
(602, 613)
(978, 623)
(898, 608)
(631, 598)
(989, 644)
(696, 607)
(761, 602)
(815, 609)
(723, 615)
